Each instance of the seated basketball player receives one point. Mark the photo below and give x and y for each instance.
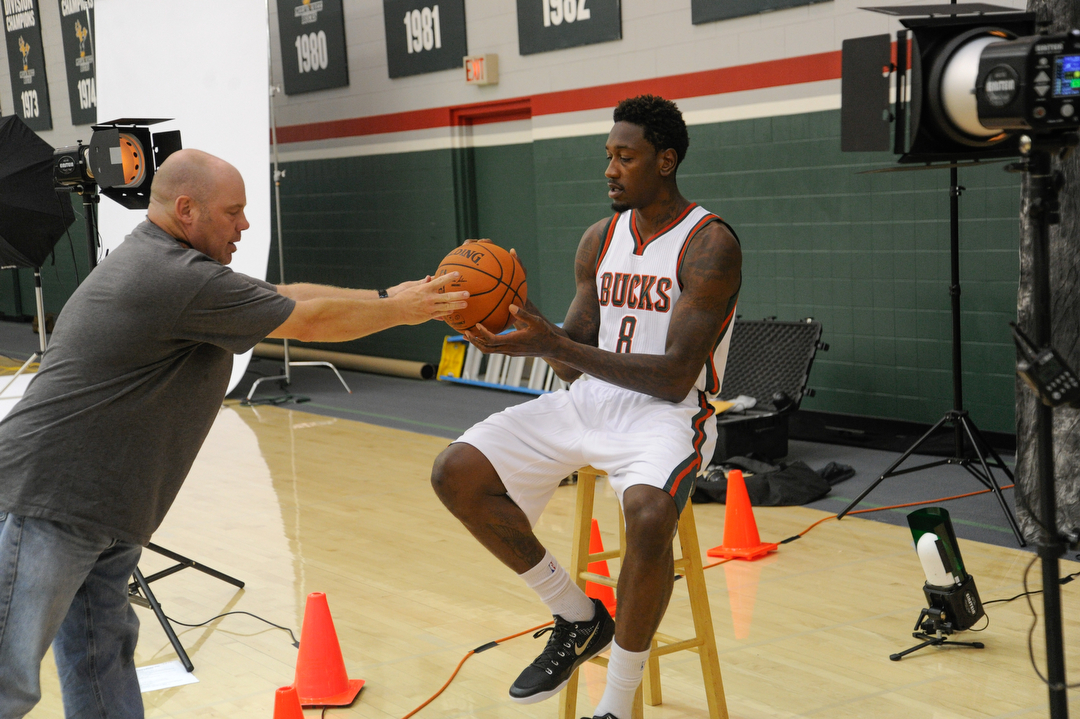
(644, 343)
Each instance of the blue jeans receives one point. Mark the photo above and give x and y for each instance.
(67, 586)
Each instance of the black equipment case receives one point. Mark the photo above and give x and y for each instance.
(769, 361)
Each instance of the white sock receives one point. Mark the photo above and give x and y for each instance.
(558, 591)
(624, 672)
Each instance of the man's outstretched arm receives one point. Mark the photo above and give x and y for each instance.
(309, 291)
(344, 315)
(710, 275)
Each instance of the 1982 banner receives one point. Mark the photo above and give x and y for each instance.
(26, 63)
(545, 25)
(702, 11)
(77, 25)
(312, 45)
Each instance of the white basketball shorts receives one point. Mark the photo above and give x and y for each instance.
(634, 438)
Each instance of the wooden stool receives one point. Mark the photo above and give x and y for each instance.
(689, 566)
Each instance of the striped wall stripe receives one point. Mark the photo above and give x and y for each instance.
(738, 78)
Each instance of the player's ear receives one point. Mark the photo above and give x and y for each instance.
(669, 160)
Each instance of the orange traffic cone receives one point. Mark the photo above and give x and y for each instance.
(741, 540)
(599, 591)
(320, 670)
(287, 704)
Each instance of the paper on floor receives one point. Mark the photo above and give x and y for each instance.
(162, 676)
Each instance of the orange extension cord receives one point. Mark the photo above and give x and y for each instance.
(497, 642)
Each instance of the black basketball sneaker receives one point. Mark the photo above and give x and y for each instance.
(570, 645)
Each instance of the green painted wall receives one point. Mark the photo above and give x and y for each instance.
(370, 222)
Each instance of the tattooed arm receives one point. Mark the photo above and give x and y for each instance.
(711, 274)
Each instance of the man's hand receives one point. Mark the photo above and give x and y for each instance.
(393, 291)
(422, 300)
(533, 336)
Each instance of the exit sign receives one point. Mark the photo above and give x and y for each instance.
(482, 69)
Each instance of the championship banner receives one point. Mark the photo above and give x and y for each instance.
(77, 25)
(545, 25)
(312, 45)
(702, 11)
(424, 36)
(26, 63)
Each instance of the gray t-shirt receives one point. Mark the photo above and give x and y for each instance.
(133, 378)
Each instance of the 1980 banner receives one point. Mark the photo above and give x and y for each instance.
(312, 45)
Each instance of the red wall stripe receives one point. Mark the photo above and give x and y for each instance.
(754, 76)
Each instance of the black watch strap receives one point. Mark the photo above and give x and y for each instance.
(383, 294)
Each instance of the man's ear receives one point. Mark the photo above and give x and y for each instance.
(184, 208)
(669, 160)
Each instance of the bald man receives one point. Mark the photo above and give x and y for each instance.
(93, 455)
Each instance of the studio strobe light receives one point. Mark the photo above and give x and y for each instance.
(120, 160)
(952, 601)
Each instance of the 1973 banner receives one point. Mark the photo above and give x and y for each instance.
(26, 63)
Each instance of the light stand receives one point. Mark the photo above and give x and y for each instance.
(37, 356)
(958, 417)
(284, 379)
(90, 198)
(1042, 197)
(139, 592)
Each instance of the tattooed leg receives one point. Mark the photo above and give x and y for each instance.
(468, 485)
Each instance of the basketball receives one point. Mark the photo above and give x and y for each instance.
(494, 280)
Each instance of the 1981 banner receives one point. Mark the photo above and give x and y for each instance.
(312, 45)
(424, 36)
(26, 63)
(77, 25)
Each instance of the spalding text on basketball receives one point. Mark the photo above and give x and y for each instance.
(473, 256)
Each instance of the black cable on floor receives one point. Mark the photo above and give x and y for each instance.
(295, 642)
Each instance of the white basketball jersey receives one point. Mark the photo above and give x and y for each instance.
(637, 282)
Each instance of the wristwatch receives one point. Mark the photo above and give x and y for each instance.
(383, 294)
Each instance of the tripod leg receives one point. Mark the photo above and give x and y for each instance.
(33, 358)
(328, 365)
(929, 642)
(990, 450)
(994, 487)
(195, 565)
(256, 383)
(173, 639)
(888, 472)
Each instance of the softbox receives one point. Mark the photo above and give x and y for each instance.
(32, 215)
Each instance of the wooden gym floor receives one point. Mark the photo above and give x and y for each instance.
(294, 503)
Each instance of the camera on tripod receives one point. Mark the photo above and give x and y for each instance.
(970, 78)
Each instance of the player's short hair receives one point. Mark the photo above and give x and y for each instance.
(660, 119)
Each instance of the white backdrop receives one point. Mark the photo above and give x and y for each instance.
(203, 63)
